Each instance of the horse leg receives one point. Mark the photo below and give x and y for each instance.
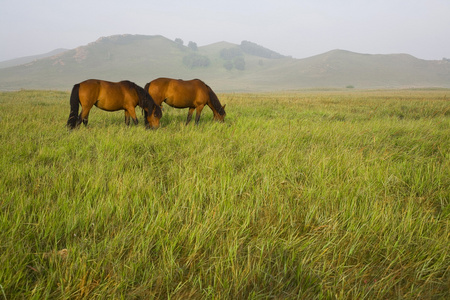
(198, 113)
(127, 118)
(131, 112)
(84, 116)
(191, 111)
(78, 122)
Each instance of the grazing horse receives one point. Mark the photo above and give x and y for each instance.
(194, 94)
(112, 96)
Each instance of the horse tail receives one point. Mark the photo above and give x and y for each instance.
(74, 106)
(215, 101)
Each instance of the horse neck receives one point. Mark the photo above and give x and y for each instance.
(141, 101)
(215, 112)
(213, 99)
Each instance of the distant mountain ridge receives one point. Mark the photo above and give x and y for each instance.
(23, 60)
(224, 66)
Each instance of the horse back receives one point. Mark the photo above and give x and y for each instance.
(187, 93)
(106, 95)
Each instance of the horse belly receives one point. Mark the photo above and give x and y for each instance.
(178, 102)
(104, 104)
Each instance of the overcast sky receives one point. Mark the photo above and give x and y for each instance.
(298, 28)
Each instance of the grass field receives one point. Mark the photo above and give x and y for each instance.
(309, 194)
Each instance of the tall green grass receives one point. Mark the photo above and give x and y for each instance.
(311, 195)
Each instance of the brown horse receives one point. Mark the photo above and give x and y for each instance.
(112, 96)
(194, 94)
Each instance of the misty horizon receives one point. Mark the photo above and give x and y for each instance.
(299, 29)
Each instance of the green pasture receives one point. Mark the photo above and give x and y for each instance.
(298, 195)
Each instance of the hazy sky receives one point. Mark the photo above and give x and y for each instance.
(294, 27)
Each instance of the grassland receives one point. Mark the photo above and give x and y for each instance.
(310, 195)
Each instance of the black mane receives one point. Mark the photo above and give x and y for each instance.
(215, 101)
(145, 100)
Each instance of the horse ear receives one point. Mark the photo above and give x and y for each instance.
(224, 106)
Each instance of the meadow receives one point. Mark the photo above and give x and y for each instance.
(328, 194)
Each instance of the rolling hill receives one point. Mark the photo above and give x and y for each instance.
(224, 66)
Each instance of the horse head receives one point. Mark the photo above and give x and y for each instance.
(153, 114)
(220, 115)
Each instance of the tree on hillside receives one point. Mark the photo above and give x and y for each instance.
(228, 65)
(234, 57)
(193, 46)
(195, 61)
(179, 41)
(239, 63)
